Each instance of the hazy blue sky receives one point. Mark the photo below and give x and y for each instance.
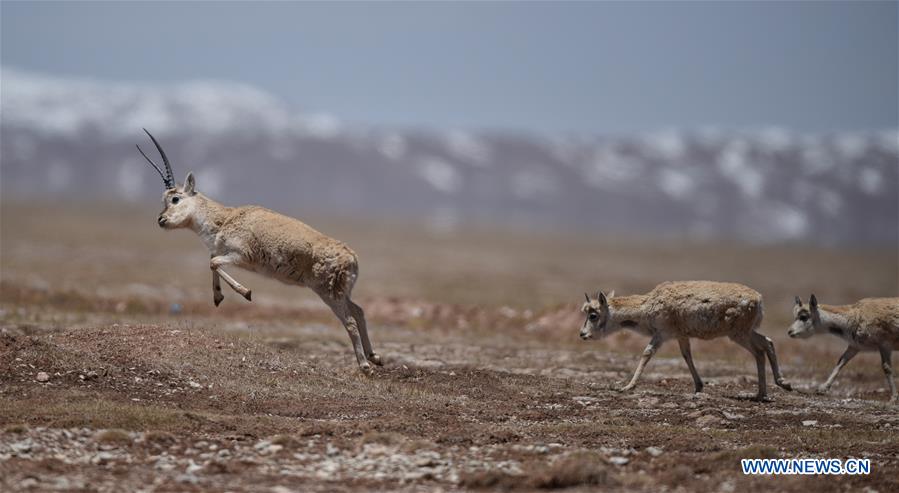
(585, 67)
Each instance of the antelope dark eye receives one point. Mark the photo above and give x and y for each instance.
(803, 318)
(175, 200)
(593, 316)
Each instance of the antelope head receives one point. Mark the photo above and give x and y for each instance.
(179, 203)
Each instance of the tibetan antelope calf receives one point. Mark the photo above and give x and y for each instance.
(685, 310)
(263, 241)
(871, 324)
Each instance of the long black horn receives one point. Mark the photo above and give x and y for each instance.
(169, 177)
(161, 175)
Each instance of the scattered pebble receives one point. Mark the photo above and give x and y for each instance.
(654, 451)
(810, 422)
(619, 461)
(43, 377)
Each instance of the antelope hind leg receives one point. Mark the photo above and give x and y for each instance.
(236, 286)
(217, 296)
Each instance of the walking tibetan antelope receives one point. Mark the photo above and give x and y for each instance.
(263, 241)
(685, 310)
(871, 324)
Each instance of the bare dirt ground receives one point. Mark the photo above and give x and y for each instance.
(486, 385)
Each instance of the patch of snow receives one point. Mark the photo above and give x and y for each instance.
(774, 139)
(888, 140)
(734, 164)
(392, 146)
(321, 125)
(789, 223)
(468, 148)
(870, 180)
(609, 168)
(668, 145)
(816, 159)
(851, 146)
(676, 183)
(830, 202)
(439, 174)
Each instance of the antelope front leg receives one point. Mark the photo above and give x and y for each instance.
(650, 350)
(885, 356)
(847, 355)
(216, 265)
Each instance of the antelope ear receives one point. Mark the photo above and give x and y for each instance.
(603, 301)
(813, 302)
(611, 294)
(190, 185)
(587, 296)
(798, 301)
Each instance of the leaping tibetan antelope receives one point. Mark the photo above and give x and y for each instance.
(263, 241)
(685, 310)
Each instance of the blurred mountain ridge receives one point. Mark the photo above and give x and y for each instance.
(67, 137)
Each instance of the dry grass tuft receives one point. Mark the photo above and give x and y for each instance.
(577, 469)
(491, 479)
(382, 438)
(161, 439)
(16, 428)
(289, 442)
(113, 437)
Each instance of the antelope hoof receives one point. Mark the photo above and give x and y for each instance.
(697, 389)
(784, 385)
(248, 295)
(366, 368)
(761, 398)
(822, 389)
(217, 298)
(375, 358)
(626, 388)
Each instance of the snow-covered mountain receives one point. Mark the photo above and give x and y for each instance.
(76, 138)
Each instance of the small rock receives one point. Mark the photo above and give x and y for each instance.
(43, 377)
(648, 402)
(194, 384)
(810, 422)
(709, 420)
(619, 461)
(425, 462)
(654, 451)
